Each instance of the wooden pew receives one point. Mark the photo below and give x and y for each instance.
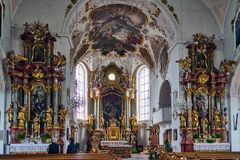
(82, 156)
(203, 156)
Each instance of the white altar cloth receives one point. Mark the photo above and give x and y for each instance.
(115, 144)
(211, 146)
(28, 148)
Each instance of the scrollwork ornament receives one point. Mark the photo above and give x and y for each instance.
(56, 87)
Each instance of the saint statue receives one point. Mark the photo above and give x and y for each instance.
(49, 116)
(133, 121)
(195, 118)
(122, 121)
(21, 116)
(102, 121)
(36, 127)
(224, 120)
(204, 124)
(182, 120)
(10, 113)
(62, 113)
(90, 121)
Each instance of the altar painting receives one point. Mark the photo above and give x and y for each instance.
(112, 107)
(38, 100)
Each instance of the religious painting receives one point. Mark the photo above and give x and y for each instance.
(38, 54)
(201, 106)
(112, 107)
(237, 30)
(38, 100)
(116, 28)
(201, 60)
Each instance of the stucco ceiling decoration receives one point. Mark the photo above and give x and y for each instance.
(120, 30)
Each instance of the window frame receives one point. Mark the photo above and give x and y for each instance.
(85, 90)
(145, 114)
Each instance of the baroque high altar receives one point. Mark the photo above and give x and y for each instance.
(112, 93)
(204, 118)
(36, 77)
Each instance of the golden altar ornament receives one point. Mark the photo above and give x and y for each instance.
(216, 119)
(133, 121)
(113, 132)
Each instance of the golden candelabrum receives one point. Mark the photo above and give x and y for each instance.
(203, 86)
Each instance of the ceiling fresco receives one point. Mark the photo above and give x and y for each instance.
(125, 30)
(116, 28)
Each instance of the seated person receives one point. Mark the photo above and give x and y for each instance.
(53, 147)
(71, 147)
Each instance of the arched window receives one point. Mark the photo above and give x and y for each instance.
(80, 92)
(143, 93)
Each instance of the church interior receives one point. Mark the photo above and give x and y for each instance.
(125, 79)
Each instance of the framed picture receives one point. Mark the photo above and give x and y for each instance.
(175, 135)
(237, 31)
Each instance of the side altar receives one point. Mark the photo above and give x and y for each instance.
(203, 115)
(36, 111)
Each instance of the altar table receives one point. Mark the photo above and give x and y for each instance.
(28, 148)
(211, 146)
(117, 148)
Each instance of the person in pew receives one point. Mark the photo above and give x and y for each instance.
(53, 147)
(71, 147)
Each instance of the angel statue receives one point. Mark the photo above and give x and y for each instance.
(49, 116)
(195, 118)
(62, 112)
(216, 119)
(102, 121)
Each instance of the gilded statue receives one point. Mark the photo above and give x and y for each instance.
(204, 124)
(49, 116)
(36, 126)
(216, 119)
(183, 121)
(90, 121)
(195, 118)
(10, 113)
(133, 120)
(21, 116)
(224, 120)
(62, 113)
(122, 121)
(11, 59)
(102, 121)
